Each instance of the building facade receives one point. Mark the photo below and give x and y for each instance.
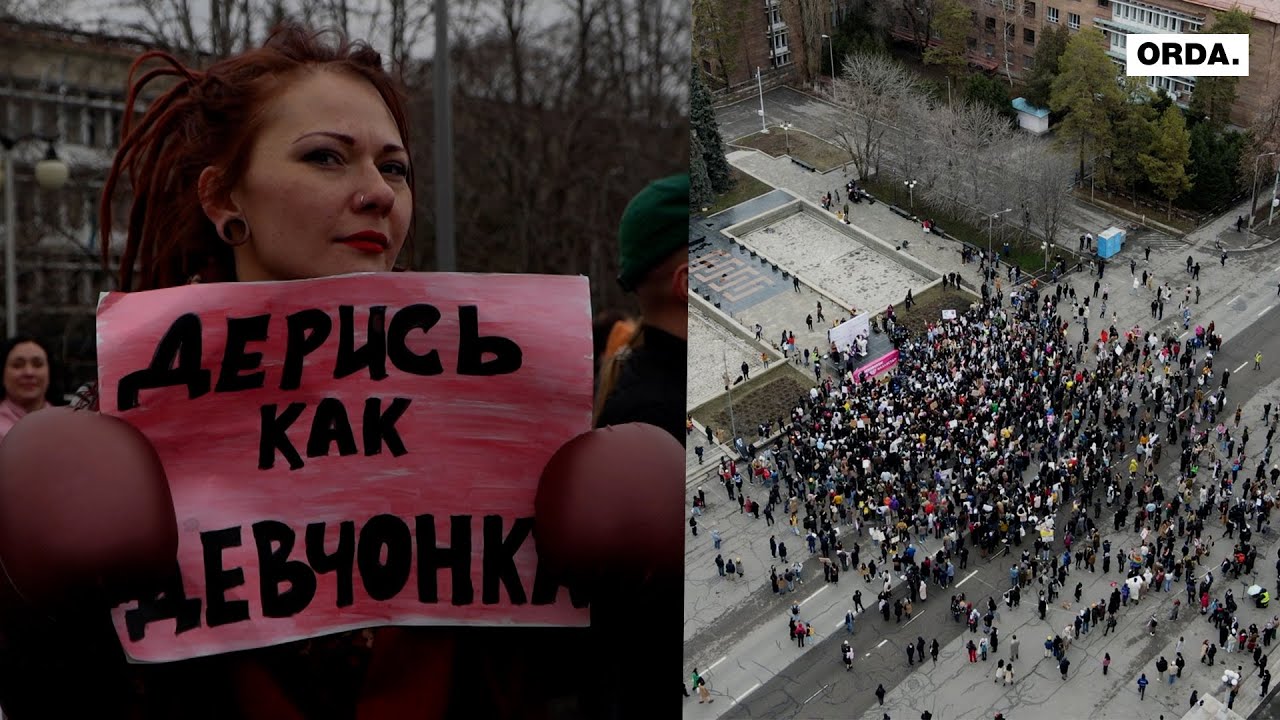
(760, 36)
(69, 86)
(1005, 34)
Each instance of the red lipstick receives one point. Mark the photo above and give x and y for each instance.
(367, 241)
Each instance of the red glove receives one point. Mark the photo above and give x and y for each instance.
(85, 513)
(610, 506)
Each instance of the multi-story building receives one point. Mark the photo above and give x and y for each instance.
(762, 37)
(1005, 34)
(70, 85)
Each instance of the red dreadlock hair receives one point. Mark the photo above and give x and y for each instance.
(210, 118)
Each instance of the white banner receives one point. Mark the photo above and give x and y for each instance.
(844, 334)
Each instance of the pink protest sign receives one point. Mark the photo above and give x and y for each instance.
(348, 452)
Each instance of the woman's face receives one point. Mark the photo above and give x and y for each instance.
(325, 191)
(26, 374)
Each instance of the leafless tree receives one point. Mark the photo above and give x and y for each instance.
(876, 88)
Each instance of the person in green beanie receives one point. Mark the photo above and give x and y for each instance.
(647, 381)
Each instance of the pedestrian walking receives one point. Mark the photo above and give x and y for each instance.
(911, 654)
(1063, 665)
(933, 650)
(1257, 360)
(1106, 663)
(1195, 696)
(720, 565)
(880, 693)
(1142, 687)
(1013, 648)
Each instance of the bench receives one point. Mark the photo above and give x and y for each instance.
(804, 164)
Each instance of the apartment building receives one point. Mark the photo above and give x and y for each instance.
(763, 37)
(1006, 32)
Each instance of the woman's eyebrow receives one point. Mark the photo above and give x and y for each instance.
(346, 140)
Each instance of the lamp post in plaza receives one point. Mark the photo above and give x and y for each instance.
(51, 174)
(786, 129)
(991, 219)
(911, 192)
(1253, 198)
(831, 45)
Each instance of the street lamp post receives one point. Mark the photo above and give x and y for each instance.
(991, 219)
(728, 388)
(760, 86)
(786, 129)
(911, 192)
(51, 174)
(831, 47)
(1253, 198)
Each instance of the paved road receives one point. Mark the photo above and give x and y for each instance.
(813, 115)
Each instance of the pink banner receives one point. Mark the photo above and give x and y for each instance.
(348, 452)
(882, 364)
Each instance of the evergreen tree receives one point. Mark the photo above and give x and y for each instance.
(1134, 130)
(1086, 89)
(702, 122)
(700, 192)
(1053, 42)
(951, 22)
(1215, 163)
(986, 90)
(1166, 161)
(1213, 97)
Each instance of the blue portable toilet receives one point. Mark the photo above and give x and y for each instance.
(1110, 241)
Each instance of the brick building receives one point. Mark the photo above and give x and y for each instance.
(1005, 33)
(763, 39)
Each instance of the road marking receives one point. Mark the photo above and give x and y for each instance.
(820, 691)
(882, 642)
(1265, 310)
(913, 618)
(714, 664)
(1232, 300)
(966, 578)
(1184, 335)
(816, 594)
(1277, 269)
(1246, 362)
(744, 695)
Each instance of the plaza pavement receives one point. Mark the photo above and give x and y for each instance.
(1234, 296)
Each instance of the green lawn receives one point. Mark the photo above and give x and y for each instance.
(1029, 256)
(744, 188)
(798, 144)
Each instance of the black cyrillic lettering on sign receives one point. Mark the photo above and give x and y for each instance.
(176, 362)
(341, 561)
(275, 568)
(499, 559)
(414, 317)
(308, 329)
(219, 610)
(240, 332)
(384, 581)
(380, 427)
(372, 355)
(456, 557)
(508, 357)
(330, 425)
(171, 603)
(546, 586)
(273, 436)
